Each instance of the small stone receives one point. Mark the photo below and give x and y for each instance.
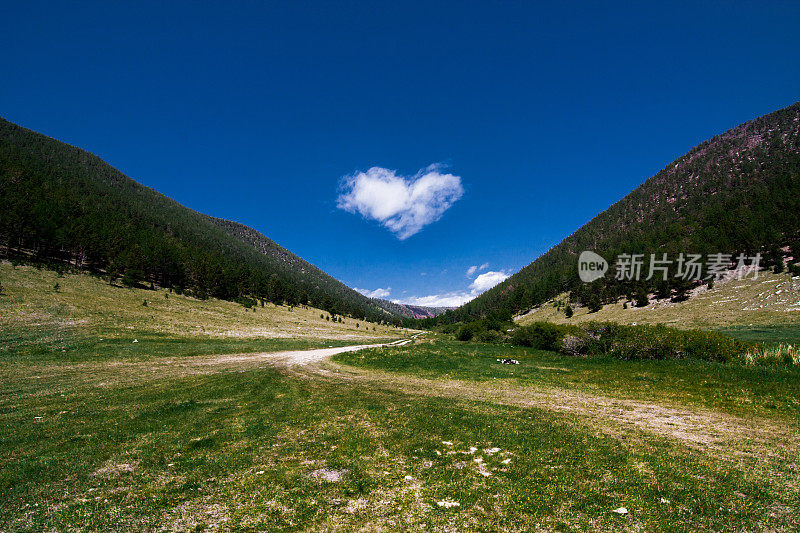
(447, 504)
(664, 500)
(620, 511)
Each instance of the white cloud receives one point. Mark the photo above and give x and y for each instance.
(481, 284)
(483, 266)
(404, 205)
(377, 293)
(487, 280)
(448, 299)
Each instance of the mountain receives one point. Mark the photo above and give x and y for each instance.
(738, 192)
(64, 205)
(410, 311)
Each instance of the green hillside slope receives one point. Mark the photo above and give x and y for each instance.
(63, 204)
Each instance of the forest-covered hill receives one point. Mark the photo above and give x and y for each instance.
(738, 192)
(61, 204)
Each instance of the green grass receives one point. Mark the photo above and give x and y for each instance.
(771, 334)
(100, 433)
(730, 388)
(246, 451)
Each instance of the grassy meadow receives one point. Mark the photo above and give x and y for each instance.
(102, 433)
(84, 318)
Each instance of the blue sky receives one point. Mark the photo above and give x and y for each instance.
(397, 145)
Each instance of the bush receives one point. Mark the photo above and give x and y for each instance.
(573, 345)
(245, 302)
(466, 332)
(132, 277)
(594, 304)
(630, 342)
(449, 328)
(568, 311)
(485, 330)
(540, 335)
(489, 336)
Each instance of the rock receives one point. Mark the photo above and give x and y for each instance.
(447, 504)
(620, 511)
(510, 362)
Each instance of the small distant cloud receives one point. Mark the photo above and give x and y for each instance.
(475, 268)
(402, 204)
(482, 283)
(377, 293)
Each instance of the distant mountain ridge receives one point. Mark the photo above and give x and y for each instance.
(737, 192)
(409, 310)
(61, 203)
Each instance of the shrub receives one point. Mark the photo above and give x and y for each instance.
(568, 311)
(540, 335)
(132, 277)
(489, 335)
(465, 333)
(630, 342)
(449, 328)
(245, 302)
(573, 345)
(640, 298)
